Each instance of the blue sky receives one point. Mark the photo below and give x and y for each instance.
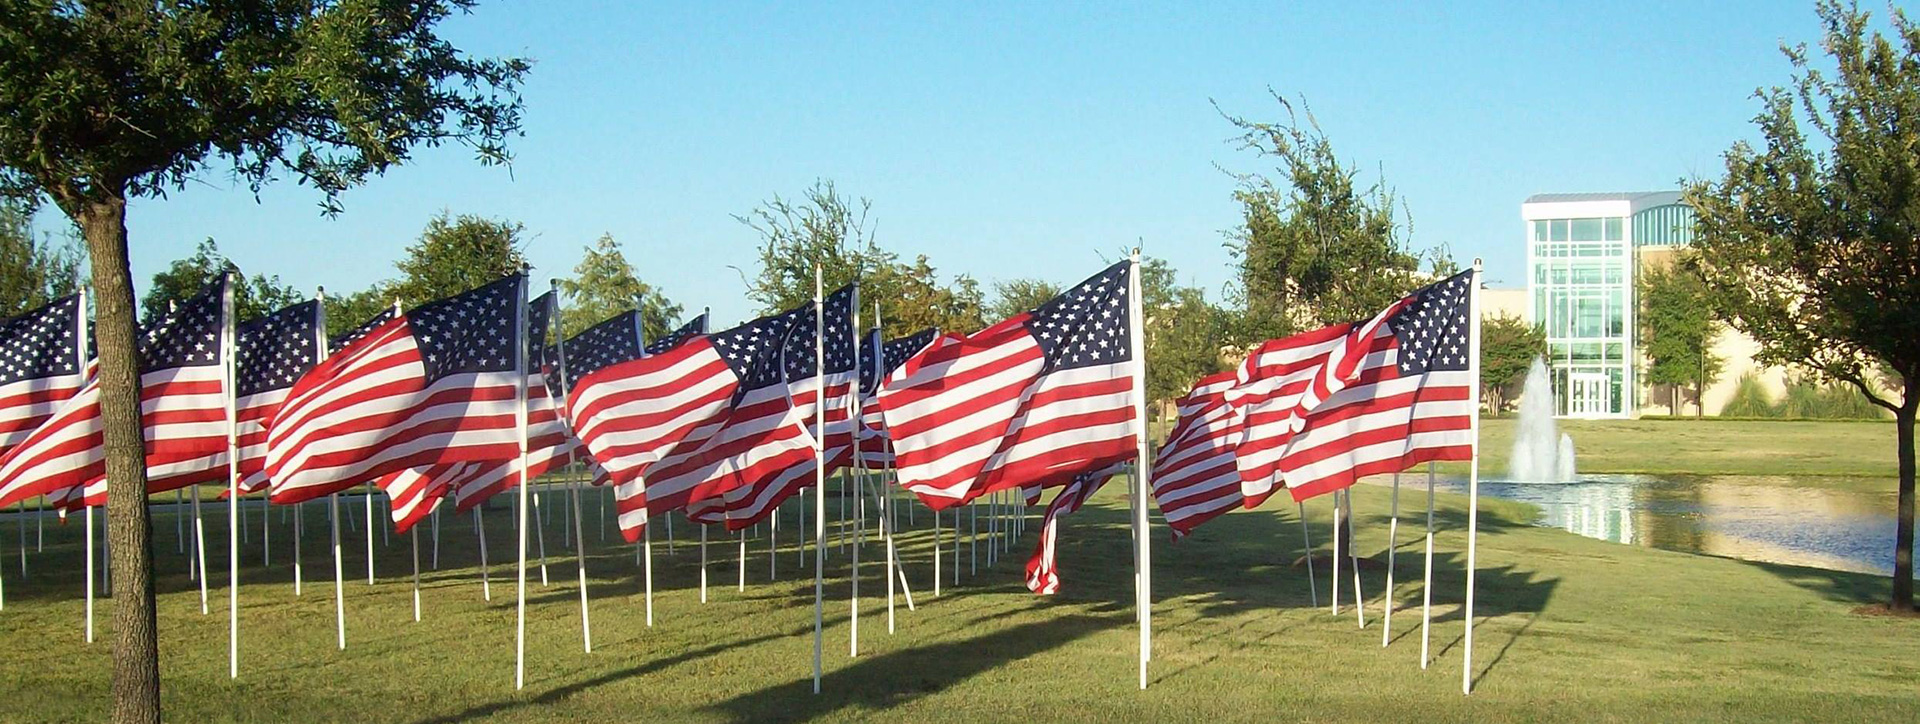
(1023, 139)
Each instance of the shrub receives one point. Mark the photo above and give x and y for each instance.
(1749, 399)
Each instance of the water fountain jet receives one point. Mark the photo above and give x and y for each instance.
(1541, 453)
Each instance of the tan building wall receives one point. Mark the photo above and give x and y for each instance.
(1508, 302)
(1735, 349)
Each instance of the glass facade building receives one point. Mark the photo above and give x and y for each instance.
(1582, 251)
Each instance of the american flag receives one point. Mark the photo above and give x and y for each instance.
(436, 385)
(1043, 570)
(614, 341)
(883, 359)
(270, 354)
(547, 440)
(183, 413)
(694, 419)
(1034, 399)
(1194, 476)
(810, 393)
(693, 328)
(40, 366)
(1323, 409)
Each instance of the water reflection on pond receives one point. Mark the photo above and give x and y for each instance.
(1770, 519)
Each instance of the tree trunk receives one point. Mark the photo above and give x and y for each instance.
(136, 651)
(1903, 534)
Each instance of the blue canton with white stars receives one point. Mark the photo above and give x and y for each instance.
(891, 355)
(837, 310)
(189, 336)
(601, 346)
(1432, 328)
(673, 339)
(273, 351)
(335, 344)
(752, 350)
(1087, 325)
(41, 343)
(539, 315)
(469, 333)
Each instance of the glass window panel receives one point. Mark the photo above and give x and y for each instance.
(1586, 273)
(1613, 229)
(1559, 274)
(1616, 314)
(1540, 230)
(1558, 230)
(1614, 353)
(1614, 272)
(1586, 229)
(1539, 273)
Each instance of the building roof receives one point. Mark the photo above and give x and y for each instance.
(1640, 199)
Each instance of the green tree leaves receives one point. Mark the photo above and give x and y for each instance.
(604, 284)
(252, 296)
(33, 271)
(1677, 329)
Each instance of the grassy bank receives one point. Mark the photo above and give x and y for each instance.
(1570, 628)
(1862, 451)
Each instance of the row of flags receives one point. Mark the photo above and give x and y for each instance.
(720, 425)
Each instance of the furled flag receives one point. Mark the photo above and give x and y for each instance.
(548, 443)
(438, 384)
(270, 353)
(1194, 476)
(693, 418)
(1325, 408)
(1035, 399)
(809, 393)
(41, 366)
(183, 413)
(1043, 572)
(883, 359)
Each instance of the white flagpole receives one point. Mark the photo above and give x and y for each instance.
(333, 499)
(742, 536)
(888, 522)
(539, 529)
(956, 546)
(369, 503)
(573, 483)
(703, 564)
(1142, 464)
(773, 544)
(860, 475)
(414, 534)
(80, 355)
(339, 573)
(299, 513)
(1353, 562)
(1306, 542)
(668, 517)
(200, 542)
(973, 537)
(936, 553)
(1473, 472)
(520, 422)
(1393, 542)
(819, 475)
(486, 572)
(234, 521)
(646, 549)
(1426, 585)
(1336, 553)
(266, 531)
(434, 561)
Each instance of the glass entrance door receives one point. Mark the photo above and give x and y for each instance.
(1592, 395)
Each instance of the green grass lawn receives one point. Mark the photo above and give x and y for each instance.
(1569, 629)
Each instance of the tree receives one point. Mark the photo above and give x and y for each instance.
(252, 296)
(1017, 296)
(1677, 328)
(1508, 346)
(1810, 244)
(457, 254)
(1316, 248)
(833, 232)
(604, 284)
(32, 272)
(347, 311)
(116, 99)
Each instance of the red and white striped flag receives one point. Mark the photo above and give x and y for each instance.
(615, 341)
(1043, 570)
(1034, 399)
(697, 420)
(1322, 409)
(42, 364)
(548, 443)
(270, 354)
(828, 393)
(1195, 478)
(183, 412)
(439, 384)
(881, 361)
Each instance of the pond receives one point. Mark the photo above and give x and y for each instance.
(1770, 519)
